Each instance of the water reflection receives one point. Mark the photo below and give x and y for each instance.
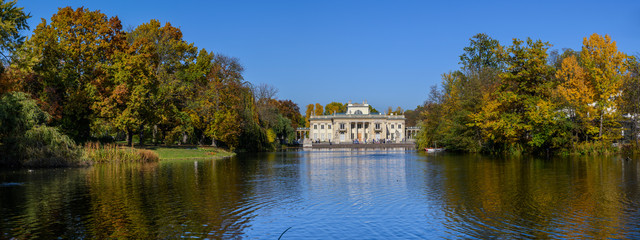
(536, 198)
(336, 194)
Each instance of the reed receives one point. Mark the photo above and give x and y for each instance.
(112, 153)
(596, 148)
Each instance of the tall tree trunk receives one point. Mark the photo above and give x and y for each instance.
(635, 131)
(601, 118)
(141, 135)
(184, 138)
(129, 137)
(155, 135)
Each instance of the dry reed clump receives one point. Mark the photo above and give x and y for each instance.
(111, 153)
(148, 155)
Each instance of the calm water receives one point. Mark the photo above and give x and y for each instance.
(384, 194)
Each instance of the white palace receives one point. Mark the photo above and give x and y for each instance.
(358, 124)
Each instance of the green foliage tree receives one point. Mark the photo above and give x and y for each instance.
(630, 104)
(13, 21)
(483, 52)
(284, 130)
(26, 141)
(520, 116)
(371, 109)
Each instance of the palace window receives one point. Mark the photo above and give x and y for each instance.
(329, 136)
(322, 126)
(342, 126)
(377, 125)
(315, 126)
(329, 126)
(392, 126)
(400, 126)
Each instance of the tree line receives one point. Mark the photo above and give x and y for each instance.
(524, 98)
(98, 82)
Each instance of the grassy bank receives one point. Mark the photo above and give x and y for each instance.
(193, 152)
(112, 153)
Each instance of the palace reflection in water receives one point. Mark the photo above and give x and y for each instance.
(319, 194)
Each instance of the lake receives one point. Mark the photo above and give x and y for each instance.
(328, 194)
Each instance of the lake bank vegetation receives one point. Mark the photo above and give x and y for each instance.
(92, 81)
(524, 98)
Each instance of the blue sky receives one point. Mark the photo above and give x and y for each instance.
(387, 52)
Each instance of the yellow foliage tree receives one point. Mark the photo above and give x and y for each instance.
(319, 109)
(576, 93)
(308, 114)
(605, 69)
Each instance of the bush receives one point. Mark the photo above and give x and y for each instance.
(26, 142)
(44, 146)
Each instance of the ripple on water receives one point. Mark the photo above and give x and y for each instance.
(331, 195)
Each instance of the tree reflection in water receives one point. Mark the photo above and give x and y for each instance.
(377, 194)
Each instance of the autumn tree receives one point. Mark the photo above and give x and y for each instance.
(519, 116)
(318, 109)
(291, 111)
(235, 111)
(605, 68)
(73, 49)
(335, 107)
(308, 112)
(630, 104)
(432, 119)
(266, 104)
(575, 94)
(448, 115)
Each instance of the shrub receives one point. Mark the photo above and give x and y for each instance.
(44, 146)
(26, 141)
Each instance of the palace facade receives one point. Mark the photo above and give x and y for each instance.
(357, 123)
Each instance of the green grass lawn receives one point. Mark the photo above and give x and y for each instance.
(168, 153)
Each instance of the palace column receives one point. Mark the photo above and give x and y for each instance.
(373, 130)
(371, 133)
(349, 131)
(357, 131)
